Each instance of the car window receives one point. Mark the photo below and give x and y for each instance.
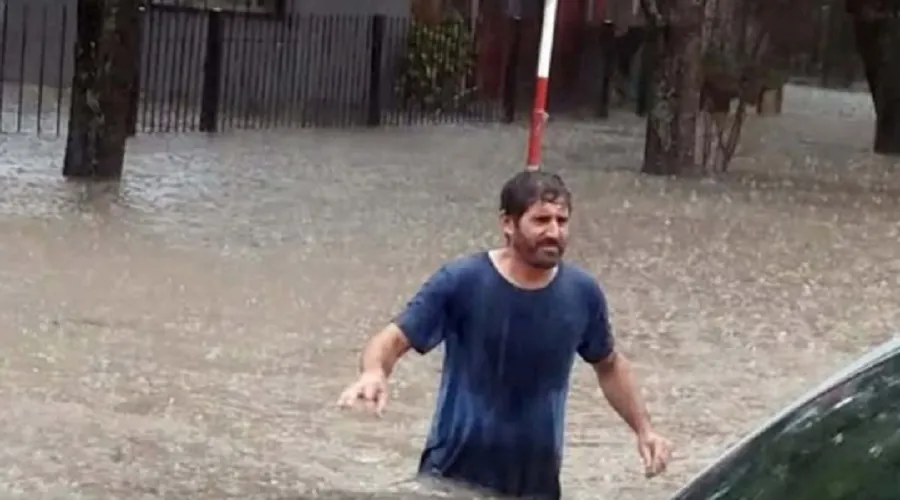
(844, 444)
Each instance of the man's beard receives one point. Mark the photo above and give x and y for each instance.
(541, 255)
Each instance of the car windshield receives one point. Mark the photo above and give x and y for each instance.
(844, 444)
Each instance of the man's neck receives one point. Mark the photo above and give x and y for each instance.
(518, 272)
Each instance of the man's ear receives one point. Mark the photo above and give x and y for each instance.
(507, 225)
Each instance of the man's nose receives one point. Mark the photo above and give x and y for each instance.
(553, 230)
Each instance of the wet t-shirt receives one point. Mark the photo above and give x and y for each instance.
(508, 355)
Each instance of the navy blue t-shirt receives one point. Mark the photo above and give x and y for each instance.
(508, 356)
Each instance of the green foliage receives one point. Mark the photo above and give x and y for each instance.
(435, 73)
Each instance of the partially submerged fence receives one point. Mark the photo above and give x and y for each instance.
(214, 69)
(263, 65)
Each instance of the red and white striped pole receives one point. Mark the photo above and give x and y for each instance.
(539, 110)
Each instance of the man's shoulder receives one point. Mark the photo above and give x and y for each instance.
(583, 279)
(468, 264)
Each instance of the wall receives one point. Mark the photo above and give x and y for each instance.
(317, 55)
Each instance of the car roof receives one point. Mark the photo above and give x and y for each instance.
(874, 356)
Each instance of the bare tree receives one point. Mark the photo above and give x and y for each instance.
(716, 58)
(675, 39)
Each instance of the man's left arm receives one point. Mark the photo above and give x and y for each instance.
(619, 385)
(617, 381)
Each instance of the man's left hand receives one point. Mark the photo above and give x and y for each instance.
(655, 451)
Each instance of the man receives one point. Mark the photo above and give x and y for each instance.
(511, 320)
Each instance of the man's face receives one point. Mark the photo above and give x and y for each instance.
(539, 236)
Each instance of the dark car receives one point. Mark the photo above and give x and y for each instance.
(840, 442)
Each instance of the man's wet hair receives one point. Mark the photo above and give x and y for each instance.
(529, 187)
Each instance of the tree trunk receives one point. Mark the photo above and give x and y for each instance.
(670, 147)
(876, 42)
(106, 60)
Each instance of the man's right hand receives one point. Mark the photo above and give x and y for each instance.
(369, 391)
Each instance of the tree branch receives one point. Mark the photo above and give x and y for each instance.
(652, 13)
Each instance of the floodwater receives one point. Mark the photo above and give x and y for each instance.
(184, 334)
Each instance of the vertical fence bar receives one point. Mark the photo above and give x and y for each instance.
(360, 70)
(268, 53)
(311, 76)
(159, 76)
(239, 72)
(827, 47)
(226, 70)
(350, 71)
(649, 56)
(285, 78)
(280, 80)
(212, 73)
(193, 73)
(3, 59)
(227, 112)
(254, 60)
(309, 38)
(326, 87)
(134, 98)
(411, 113)
(247, 67)
(25, 16)
(608, 63)
(511, 79)
(338, 61)
(293, 63)
(276, 97)
(340, 76)
(179, 92)
(153, 79)
(168, 69)
(63, 48)
(395, 28)
(376, 40)
(41, 70)
(239, 80)
(250, 67)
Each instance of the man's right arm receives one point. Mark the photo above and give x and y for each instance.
(384, 350)
(421, 326)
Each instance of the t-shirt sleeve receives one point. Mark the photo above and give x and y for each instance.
(597, 341)
(424, 319)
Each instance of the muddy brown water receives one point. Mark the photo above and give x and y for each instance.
(184, 335)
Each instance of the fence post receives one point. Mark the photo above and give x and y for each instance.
(135, 95)
(608, 65)
(511, 78)
(212, 73)
(376, 45)
(649, 58)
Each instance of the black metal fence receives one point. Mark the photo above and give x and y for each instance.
(213, 70)
(830, 59)
(32, 65)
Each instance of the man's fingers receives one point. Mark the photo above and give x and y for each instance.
(663, 453)
(381, 402)
(350, 397)
(347, 398)
(372, 396)
(659, 452)
(646, 457)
